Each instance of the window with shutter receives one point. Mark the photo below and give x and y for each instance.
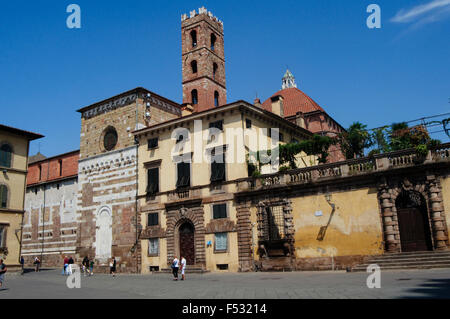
(3, 196)
(5, 155)
(153, 181)
(221, 241)
(218, 168)
(152, 143)
(218, 125)
(2, 229)
(220, 211)
(184, 174)
(152, 219)
(153, 246)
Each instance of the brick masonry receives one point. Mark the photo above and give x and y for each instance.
(205, 81)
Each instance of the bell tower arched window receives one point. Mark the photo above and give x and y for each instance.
(194, 96)
(213, 41)
(215, 67)
(194, 38)
(194, 66)
(216, 98)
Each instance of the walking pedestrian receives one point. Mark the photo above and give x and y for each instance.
(175, 265)
(91, 267)
(112, 267)
(183, 267)
(37, 264)
(22, 263)
(66, 264)
(69, 266)
(85, 265)
(3, 270)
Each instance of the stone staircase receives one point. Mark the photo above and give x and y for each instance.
(410, 260)
(190, 269)
(280, 264)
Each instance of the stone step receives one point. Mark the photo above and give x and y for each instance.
(408, 259)
(408, 263)
(409, 255)
(403, 267)
(276, 264)
(189, 269)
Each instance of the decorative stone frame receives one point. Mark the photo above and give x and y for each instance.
(263, 227)
(106, 130)
(430, 189)
(175, 218)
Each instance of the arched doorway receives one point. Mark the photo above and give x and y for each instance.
(187, 242)
(103, 235)
(413, 222)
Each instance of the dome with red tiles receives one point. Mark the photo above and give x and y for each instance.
(294, 101)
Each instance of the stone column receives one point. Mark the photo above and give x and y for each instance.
(170, 226)
(244, 228)
(289, 225)
(437, 214)
(390, 223)
(199, 235)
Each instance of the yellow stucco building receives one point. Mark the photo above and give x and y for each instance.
(187, 208)
(14, 145)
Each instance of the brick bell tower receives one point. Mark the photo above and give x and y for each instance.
(203, 59)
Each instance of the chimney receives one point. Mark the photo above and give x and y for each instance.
(300, 120)
(277, 105)
(186, 109)
(257, 102)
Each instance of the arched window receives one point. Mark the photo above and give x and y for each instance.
(216, 98)
(194, 66)
(194, 38)
(194, 96)
(214, 70)
(3, 196)
(5, 155)
(213, 41)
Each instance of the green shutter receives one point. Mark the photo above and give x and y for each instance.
(153, 181)
(3, 196)
(184, 174)
(5, 155)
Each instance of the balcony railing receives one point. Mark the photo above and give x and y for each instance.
(183, 194)
(361, 166)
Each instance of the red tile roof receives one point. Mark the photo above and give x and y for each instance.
(294, 101)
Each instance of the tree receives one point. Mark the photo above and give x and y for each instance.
(355, 140)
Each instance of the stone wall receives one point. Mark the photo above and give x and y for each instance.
(50, 226)
(107, 187)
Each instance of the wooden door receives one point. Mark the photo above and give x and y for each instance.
(187, 243)
(413, 229)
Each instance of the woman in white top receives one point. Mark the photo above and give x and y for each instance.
(175, 266)
(183, 267)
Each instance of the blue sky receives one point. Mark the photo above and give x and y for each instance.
(376, 76)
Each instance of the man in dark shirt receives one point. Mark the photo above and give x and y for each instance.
(3, 270)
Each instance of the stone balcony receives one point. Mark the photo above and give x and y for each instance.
(349, 168)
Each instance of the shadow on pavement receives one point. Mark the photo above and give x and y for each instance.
(432, 289)
(28, 270)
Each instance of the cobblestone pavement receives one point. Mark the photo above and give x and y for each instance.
(295, 285)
